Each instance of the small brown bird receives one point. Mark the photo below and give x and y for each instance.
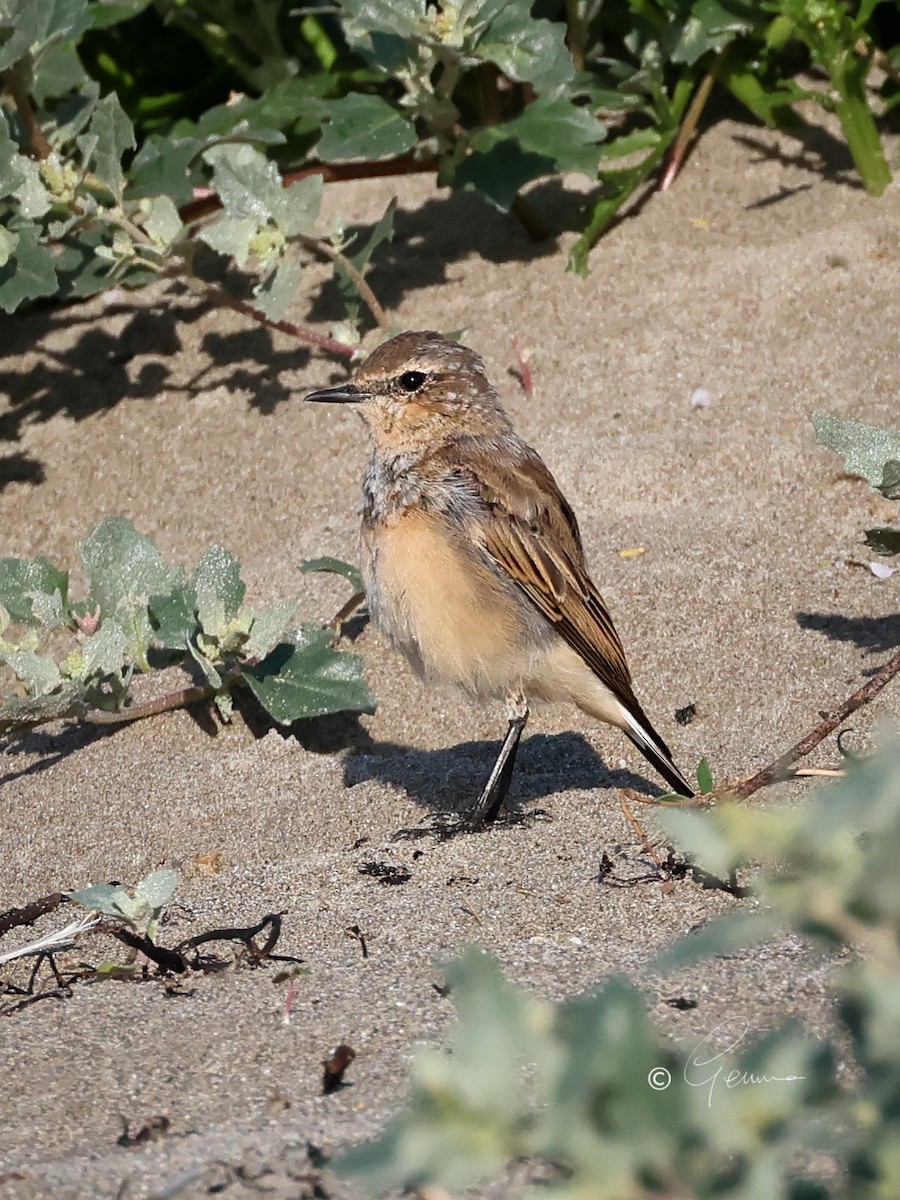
(472, 558)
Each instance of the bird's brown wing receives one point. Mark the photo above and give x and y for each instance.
(527, 527)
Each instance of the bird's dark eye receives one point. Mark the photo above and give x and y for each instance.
(411, 381)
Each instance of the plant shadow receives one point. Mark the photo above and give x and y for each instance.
(877, 635)
(96, 368)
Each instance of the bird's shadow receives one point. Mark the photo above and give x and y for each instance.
(450, 780)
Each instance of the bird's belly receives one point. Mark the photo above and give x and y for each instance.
(449, 613)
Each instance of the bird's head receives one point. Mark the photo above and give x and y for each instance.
(419, 388)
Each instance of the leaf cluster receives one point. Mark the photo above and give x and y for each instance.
(83, 206)
(872, 453)
(487, 94)
(600, 1105)
(140, 909)
(77, 658)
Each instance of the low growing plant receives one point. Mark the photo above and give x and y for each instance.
(77, 658)
(486, 95)
(596, 1103)
(872, 453)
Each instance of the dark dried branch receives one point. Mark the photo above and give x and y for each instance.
(238, 934)
(166, 960)
(220, 296)
(13, 918)
(781, 768)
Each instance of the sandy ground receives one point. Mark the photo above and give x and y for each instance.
(767, 277)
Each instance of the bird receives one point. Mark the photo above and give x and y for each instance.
(472, 557)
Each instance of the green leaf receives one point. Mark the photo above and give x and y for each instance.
(100, 897)
(69, 701)
(105, 13)
(156, 889)
(163, 222)
(364, 126)
(249, 185)
(269, 628)
(276, 291)
(20, 177)
(721, 936)
(309, 679)
(700, 837)
(57, 72)
(28, 273)
(39, 674)
(231, 236)
(296, 208)
(336, 566)
(115, 134)
(557, 129)
(527, 50)
(883, 539)
(501, 171)
(104, 652)
(8, 242)
(161, 167)
(34, 22)
(704, 776)
(124, 569)
(711, 26)
(468, 1108)
(219, 589)
(173, 618)
(22, 580)
(890, 480)
(383, 232)
(867, 450)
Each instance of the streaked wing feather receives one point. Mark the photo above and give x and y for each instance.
(529, 530)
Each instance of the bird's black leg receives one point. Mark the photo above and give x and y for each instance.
(491, 799)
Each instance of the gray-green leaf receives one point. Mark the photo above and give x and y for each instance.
(527, 50)
(39, 674)
(23, 580)
(156, 889)
(29, 272)
(219, 588)
(867, 450)
(335, 566)
(883, 539)
(115, 134)
(364, 126)
(309, 679)
(34, 22)
(125, 569)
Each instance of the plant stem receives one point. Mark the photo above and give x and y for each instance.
(780, 768)
(151, 708)
(218, 295)
(628, 181)
(686, 131)
(319, 246)
(38, 145)
(859, 125)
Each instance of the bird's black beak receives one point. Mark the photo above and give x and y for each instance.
(346, 393)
